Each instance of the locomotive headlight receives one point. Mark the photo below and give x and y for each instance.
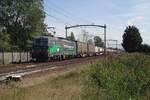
(58, 49)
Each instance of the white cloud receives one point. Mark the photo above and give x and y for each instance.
(135, 20)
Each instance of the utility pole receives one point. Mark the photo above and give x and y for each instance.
(116, 42)
(66, 31)
(105, 40)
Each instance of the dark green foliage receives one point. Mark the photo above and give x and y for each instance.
(4, 41)
(71, 37)
(21, 20)
(144, 48)
(131, 39)
(98, 41)
(121, 78)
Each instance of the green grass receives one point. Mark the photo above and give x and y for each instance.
(123, 77)
(126, 77)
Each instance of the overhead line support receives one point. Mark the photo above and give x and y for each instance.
(101, 26)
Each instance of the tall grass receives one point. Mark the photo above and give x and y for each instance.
(126, 77)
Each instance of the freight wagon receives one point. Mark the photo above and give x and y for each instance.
(85, 49)
(99, 50)
(91, 49)
(81, 49)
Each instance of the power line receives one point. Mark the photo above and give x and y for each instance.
(68, 13)
(57, 11)
(58, 19)
(60, 13)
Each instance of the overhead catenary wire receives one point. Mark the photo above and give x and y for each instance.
(58, 19)
(57, 11)
(67, 13)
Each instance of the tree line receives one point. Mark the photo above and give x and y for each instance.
(20, 22)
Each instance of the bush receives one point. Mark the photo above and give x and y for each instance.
(125, 78)
(144, 48)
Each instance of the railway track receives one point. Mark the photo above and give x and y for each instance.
(18, 73)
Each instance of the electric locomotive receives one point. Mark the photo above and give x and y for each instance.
(50, 48)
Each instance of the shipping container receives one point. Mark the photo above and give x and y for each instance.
(82, 48)
(91, 49)
(99, 50)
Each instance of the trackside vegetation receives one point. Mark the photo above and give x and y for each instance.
(126, 77)
(123, 77)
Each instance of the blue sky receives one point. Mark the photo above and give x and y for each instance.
(117, 14)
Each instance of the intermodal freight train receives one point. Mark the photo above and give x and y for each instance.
(51, 48)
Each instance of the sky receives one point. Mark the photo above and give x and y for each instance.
(116, 14)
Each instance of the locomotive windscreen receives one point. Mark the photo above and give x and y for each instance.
(40, 43)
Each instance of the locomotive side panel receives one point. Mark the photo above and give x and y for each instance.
(62, 47)
(46, 47)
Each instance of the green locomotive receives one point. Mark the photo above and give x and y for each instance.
(47, 48)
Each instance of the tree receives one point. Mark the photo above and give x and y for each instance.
(131, 39)
(22, 20)
(90, 41)
(4, 41)
(98, 41)
(71, 37)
